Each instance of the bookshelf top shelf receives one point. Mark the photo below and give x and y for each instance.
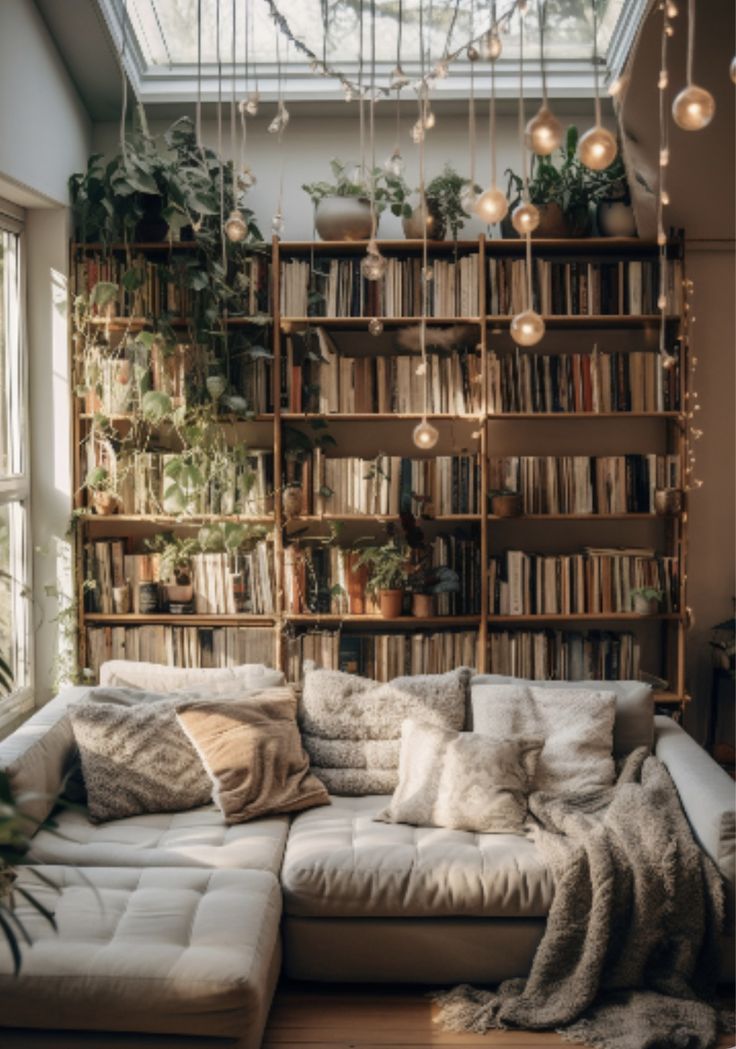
(579, 246)
(134, 619)
(602, 320)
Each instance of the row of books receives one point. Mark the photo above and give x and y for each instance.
(158, 288)
(336, 287)
(222, 583)
(382, 656)
(340, 383)
(581, 484)
(180, 646)
(558, 655)
(595, 581)
(581, 382)
(582, 287)
(390, 484)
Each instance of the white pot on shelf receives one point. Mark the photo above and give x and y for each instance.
(343, 218)
(616, 219)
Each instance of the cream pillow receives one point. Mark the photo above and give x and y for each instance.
(462, 780)
(158, 677)
(575, 724)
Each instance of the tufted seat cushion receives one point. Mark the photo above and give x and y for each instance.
(341, 864)
(196, 838)
(188, 952)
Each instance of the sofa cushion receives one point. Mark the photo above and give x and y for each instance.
(633, 725)
(197, 838)
(183, 951)
(340, 863)
(161, 678)
(351, 726)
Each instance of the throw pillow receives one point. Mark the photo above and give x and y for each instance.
(351, 725)
(160, 678)
(135, 758)
(576, 725)
(253, 754)
(462, 780)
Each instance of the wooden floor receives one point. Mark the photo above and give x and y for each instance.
(330, 1017)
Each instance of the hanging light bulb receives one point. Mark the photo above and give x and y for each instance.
(472, 54)
(597, 148)
(374, 264)
(672, 10)
(246, 179)
(425, 435)
(527, 328)
(280, 121)
(663, 81)
(421, 369)
(235, 227)
(668, 361)
(662, 302)
(543, 132)
(468, 197)
(492, 46)
(399, 79)
(394, 165)
(277, 224)
(525, 218)
(251, 103)
(428, 120)
(427, 273)
(492, 206)
(664, 157)
(375, 326)
(665, 197)
(694, 108)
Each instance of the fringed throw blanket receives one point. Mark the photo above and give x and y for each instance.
(632, 935)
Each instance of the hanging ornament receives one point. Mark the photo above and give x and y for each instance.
(375, 326)
(442, 69)
(251, 103)
(374, 264)
(672, 10)
(525, 218)
(425, 436)
(399, 79)
(543, 132)
(235, 227)
(694, 108)
(492, 46)
(597, 148)
(280, 121)
(472, 54)
(492, 206)
(277, 224)
(246, 179)
(394, 165)
(527, 328)
(315, 66)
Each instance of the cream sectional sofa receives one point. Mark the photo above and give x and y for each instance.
(170, 926)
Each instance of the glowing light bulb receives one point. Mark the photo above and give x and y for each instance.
(492, 46)
(543, 132)
(668, 361)
(663, 80)
(468, 197)
(235, 227)
(672, 10)
(694, 108)
(399, 79)
(527, 328)
(522, 6)
(661, 238)
(597, 148)
(669, 30)
(417, 132)
(375, 325)
(664, 157)
(425, 435)
(662, 302)
(428, 273)
(394, 165)
(525, 218)
(374, 264)
(492, 206)
(665, 197)
(421, 369)
(472, 53)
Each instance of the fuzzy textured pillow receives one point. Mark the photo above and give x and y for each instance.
(462, 780)
(161, 678)
(351, 726)
(253, 754)
(576, 725)
(135, 758)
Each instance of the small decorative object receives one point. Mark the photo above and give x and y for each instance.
(527, 328)
(422, 605)
(373, 266)
(277, 224)
(387, 574)
(668, 501)
(343, 206)
(121, 600)
(394, 165)
(543, 132)
(343, 218)
(216, 386)
(375, 325)
(291, 500)
(399, 79)
(147, 597)
(507, 504)
(525, 218)
(357, 581)
(251, 103)
(280, 121)
(246, 179)
(645, 600)
(424, 435)
(235, 227)
(492, 206)
(472, 53)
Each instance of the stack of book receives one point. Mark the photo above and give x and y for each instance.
(581, 484)
(605, 287)
(580, 382)
(181, 646)
(336, 288)
(383, 656)
(598, 580)
(554, 655)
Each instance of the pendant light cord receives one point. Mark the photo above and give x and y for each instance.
(124, 107)
(595, 65)
(690, 40)
(542, 19)
(471, 105)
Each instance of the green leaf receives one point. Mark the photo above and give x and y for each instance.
(103, 293)
(155, 406)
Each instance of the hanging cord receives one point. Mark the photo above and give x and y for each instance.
(243, 122)
(219, 138)
(595, 65)
(690, 39)
(372, 108)
(361, 99)
(524, 162)
(198, 114)
(233, 104)
(492, 111)
(542, 19)
(662, 192)
(471, 105)
(399, 39)
(124, 107)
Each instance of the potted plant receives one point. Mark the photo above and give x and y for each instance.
(100, 484)
(507, 503)
(614, 213)
(387, 568)
(645, 600)
(175, 567)
(343, 206)
(441, 209)
(562, 192)
(425, 582)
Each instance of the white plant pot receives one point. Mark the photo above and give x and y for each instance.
(616, 219)
(343, 218)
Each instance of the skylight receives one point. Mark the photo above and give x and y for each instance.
(169, 57)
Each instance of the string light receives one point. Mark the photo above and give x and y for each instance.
(694, 107)
(544, 131)
(425, 436)
(597, 148)
(375, 326)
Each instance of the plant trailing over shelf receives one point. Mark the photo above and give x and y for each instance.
(176, 552)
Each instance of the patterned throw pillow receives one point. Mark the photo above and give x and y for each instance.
(351, 726)
(462, 780)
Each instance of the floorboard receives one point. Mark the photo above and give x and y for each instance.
(319, 1016)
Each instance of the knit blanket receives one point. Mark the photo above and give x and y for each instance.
(629, 956)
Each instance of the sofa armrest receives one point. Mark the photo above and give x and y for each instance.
(706, 793)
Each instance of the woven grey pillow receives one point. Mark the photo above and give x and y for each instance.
(462, 780)
(351, 726)
(136, 758)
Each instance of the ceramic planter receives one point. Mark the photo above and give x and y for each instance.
(645, 606)
(668, 501)
(507, 504)
(178, 593)
(105, 503)
(414, 225)
(343, 218)
(422, 605)
(391, 603)
(552, 222)
(616, 219)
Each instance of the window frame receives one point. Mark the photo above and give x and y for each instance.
(16, 488)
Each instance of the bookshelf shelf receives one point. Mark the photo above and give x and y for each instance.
(573, 246)
(586, 321)
(138, 323)
(195, 521)
(581, 617)
(378, 620)
(352, 323)
(578, 416)
(166, 618)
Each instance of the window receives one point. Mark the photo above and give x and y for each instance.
(15, 564)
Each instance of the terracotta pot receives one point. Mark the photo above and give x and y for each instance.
(616, 219)
(552, 223)
(414, 225)
(357, 580)
(178, 593)
(391, 603)
(291, 500)
(105, 503)
(645, 606)
(668, 501)
(509, 504)
(343, 218)
(422, 605)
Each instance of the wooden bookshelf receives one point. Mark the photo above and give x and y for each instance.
(491, 332)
